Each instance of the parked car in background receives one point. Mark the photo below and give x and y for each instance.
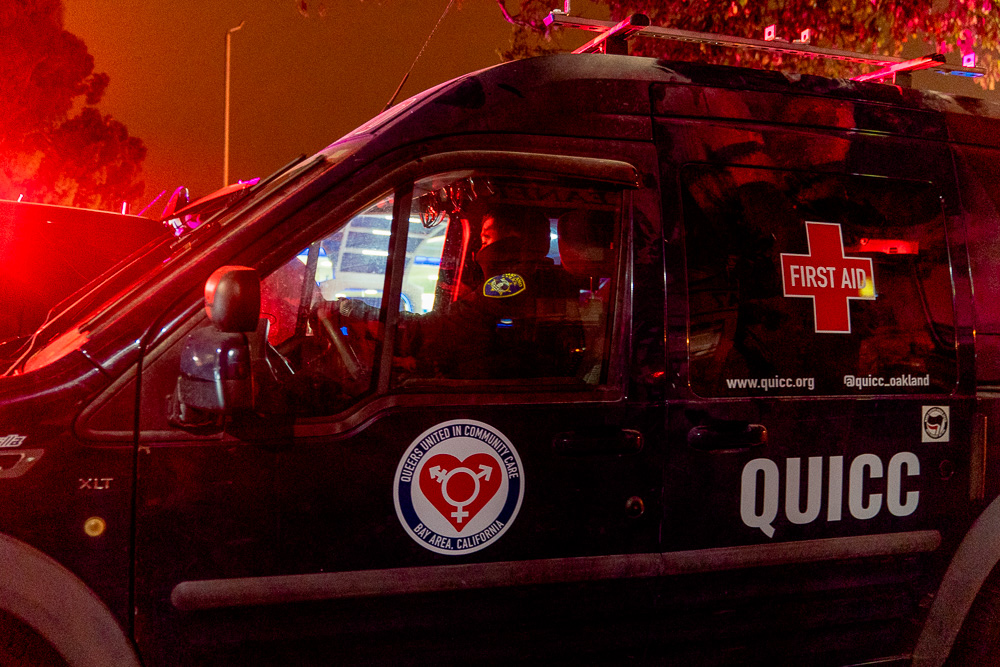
(47, 252)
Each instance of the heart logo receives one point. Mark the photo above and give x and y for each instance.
(459, 489)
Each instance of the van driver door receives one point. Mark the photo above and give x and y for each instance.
(446, 454)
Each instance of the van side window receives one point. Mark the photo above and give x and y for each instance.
(977, 172)
(507, 278)
(326, 363)
(816, 284)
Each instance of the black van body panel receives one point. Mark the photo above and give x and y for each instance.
(743, 477)
(53, 483)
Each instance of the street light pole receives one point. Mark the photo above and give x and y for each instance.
(225, 134)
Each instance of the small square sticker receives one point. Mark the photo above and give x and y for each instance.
(935, 422)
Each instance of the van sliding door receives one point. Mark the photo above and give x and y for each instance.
(819, 426)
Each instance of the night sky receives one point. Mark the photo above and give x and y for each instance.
(297, 82)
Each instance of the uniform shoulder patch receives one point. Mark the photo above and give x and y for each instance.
(504, 285)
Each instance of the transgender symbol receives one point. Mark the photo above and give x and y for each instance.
(444, 475)
(460, 489)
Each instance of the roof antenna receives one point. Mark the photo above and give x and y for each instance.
(155, 199)
(392, 100)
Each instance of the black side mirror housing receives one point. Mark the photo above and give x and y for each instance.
(215, 372)
(216, 376)
(232, 299)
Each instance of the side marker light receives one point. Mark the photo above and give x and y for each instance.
(94, 526)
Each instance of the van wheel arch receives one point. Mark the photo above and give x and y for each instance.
(58, 606)
(21, 646)
(978, 642)
(964, 594)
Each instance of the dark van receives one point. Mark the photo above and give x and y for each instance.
(583, 359)
(47, 252)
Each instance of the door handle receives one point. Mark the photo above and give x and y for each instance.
(611, 441)
(709, 438)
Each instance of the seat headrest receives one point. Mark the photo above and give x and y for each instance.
(586, 242)
(530, 225)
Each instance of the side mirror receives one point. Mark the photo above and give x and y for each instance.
(215, 368)
(232, 299)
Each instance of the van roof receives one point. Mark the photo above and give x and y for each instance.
(569, 92)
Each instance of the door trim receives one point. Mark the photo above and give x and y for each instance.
(257, 591)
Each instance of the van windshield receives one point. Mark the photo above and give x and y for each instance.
(69, 325)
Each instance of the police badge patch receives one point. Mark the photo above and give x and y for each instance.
(504, 285)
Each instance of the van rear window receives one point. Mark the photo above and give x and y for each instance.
(816, 284)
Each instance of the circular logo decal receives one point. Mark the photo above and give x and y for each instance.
(458, 487)
(935, 422)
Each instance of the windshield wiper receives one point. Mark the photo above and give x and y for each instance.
(268, 179)
(258, 189)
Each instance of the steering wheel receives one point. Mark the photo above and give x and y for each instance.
(330, 324)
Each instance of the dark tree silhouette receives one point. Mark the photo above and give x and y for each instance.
(55, 146)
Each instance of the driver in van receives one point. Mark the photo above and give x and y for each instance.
(512, 326)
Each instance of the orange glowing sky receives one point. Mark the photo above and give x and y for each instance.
(297, 82)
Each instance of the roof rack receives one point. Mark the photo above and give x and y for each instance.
(613, 39)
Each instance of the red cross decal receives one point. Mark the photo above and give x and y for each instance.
(827, 277)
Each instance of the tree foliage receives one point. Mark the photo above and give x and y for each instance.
(867, 26)
(55, 146)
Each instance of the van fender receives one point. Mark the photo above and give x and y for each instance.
(60, 607)
(975, 558)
